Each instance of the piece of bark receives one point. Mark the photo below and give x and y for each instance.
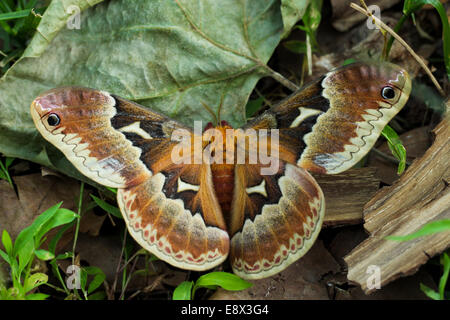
(420, 184)
(407, 288)
(346, 194)
(420, 196)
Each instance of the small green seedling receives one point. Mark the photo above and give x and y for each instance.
(21, 254)
(228, 281)
(428, 229)
(107, 207)
(396, 147)
(4, 173)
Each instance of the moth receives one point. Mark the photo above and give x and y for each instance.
(195, 214)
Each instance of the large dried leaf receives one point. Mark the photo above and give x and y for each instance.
(173, 56)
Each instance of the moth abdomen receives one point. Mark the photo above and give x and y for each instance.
(223, 180)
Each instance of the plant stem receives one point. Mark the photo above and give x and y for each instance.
(399, 39)
(55, 287)
(124, 287)
(77, 227)
(58, 275)
(118, 269)
(397, 28)
(285, 82)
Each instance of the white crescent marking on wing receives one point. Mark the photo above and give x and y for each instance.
(260, 188)
(135, 127)
(304, 113)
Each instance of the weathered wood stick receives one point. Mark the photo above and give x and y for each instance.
(346, 194)
(420, 196)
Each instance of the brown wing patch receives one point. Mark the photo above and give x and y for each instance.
(186, 236)
(170, 209)
(331, 123)
(283, 228)
(85, 135)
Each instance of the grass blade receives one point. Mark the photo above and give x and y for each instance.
(396, 147)
(445, 261)
(14, 15)
(7, 242)
(429, 228)
(107, 207)
(429, 292)
(183, 291)
(226, 280)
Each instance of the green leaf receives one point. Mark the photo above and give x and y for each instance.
(35, 280)
(292, 11)
(153, 258)
(429, 292)
(63, 256)
(24, 247)
(171, 56)
(253, 106)
(25, 244)
(44, 254)
(61, 217)
(312, 17)
(410, 6)
(429, 228)
(99, 278)
(183, 291)
(28, 233)
(83, 279)
(5, 256)
(37, 296)
(101, 295)
(15, 15)
(348, 61)
(429, 97)
(7, 242)
(445, 261)
(113, 190)
(295, 46)
(57, 237)
(396, 147)
(8, 162)
(4, 174)
(227, 281)
(107, 207)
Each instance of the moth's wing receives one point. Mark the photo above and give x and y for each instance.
(98, 133)
(171, 210)
(330, 124)
(325, 127)
(176, 216)
(275, 219)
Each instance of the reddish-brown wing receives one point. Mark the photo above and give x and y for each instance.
(325, 127)
(275, 219)
(331, 123)
(170, 209)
